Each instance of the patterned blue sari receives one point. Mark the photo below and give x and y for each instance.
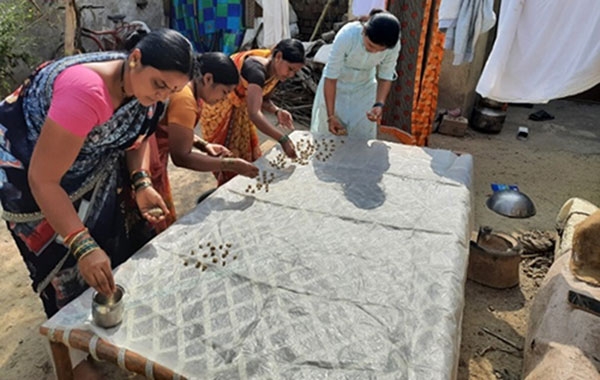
(97, 183)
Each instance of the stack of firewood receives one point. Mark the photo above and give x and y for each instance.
(297, 94)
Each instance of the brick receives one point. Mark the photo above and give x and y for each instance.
(453, 126)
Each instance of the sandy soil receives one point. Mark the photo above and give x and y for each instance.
(559, 160)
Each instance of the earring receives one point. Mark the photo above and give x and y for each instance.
(132, 64)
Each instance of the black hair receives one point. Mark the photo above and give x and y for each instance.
(383, 28)
(291, 50)
(164, 49)
(219, 65)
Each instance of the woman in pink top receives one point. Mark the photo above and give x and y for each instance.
(74, 181)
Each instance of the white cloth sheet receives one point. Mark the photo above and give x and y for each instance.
(276, 19)
(464, 21)
(349, 267)
(544, 50)
(363, 7)
(356, 71)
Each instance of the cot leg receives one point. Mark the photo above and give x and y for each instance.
(62, 361)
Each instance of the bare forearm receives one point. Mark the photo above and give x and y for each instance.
(329, 93)
(197, 161)
(265, 126)
(56, 207)
(383, 89)
(268, 106)
(139, 158)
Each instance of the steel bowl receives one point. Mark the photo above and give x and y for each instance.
(487, 120)
(108, 311)
(511, 203)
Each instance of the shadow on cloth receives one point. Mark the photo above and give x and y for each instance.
(360, 181)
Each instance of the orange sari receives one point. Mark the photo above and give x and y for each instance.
(228, 122)
(181, 107)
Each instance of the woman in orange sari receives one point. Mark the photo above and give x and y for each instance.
(232, 122)
(216, 76)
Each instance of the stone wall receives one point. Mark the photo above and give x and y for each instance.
(48, 30)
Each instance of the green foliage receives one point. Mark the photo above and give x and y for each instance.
(15, 44)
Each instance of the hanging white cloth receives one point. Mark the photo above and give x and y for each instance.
(545, 49)
(363, 7)
(276, 18)
(463, 21)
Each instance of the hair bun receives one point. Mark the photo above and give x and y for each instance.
(134, 38)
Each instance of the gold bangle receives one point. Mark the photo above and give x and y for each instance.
(142, 185)
(139, 174)
(226, 163)
(202, 143)
(84, 254)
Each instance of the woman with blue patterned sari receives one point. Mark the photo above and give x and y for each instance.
(74, 181)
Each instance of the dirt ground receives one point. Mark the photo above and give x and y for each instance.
(559, 160)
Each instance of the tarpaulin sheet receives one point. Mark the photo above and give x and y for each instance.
(351, 266)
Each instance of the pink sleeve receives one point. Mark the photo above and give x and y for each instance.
(80, 100)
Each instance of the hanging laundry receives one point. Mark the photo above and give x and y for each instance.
(211, 25)
(363, 7)
(545, 49)
(463, 21)
(276, 19)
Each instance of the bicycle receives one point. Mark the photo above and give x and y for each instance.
(113, 39)
(87, 40)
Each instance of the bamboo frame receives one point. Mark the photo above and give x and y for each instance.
(82, 340)
(70, 26)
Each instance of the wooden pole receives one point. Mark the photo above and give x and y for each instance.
(70, 26)
(80, 339)
(314, 33)
(62, 361)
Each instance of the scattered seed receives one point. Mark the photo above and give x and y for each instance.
(215, 260)
(198, 264)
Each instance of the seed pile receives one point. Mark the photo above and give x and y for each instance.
(306, 150)
(324, 149)
(262, 181)
(209, 254)
(279, 162)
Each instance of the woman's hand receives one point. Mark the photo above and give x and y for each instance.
(285, 119)
(336, 127)
(244, 168)
(217, 150)
(97, 273)
(375, 113)
(289, 149)
(151, 204)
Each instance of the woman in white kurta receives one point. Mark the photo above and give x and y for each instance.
(358, 77)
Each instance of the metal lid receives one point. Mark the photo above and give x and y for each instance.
(511, 203)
